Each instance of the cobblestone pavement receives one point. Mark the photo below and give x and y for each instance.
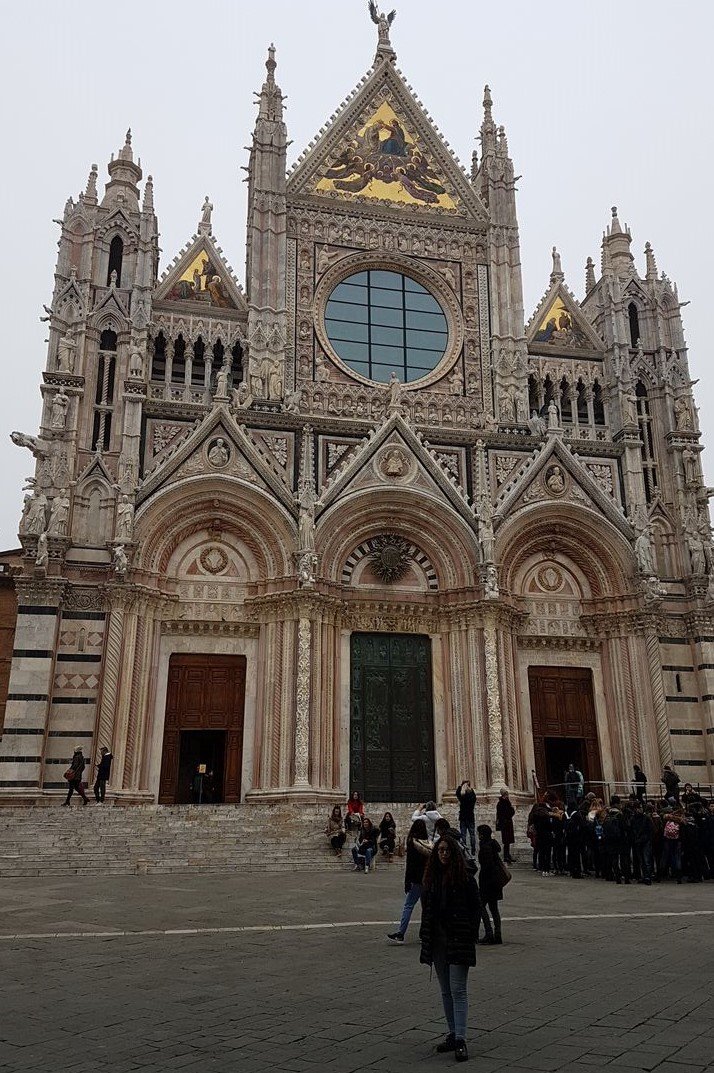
(602, 982)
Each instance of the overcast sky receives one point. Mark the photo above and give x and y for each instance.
(605, 103)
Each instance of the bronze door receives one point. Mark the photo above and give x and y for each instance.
(392, 720)
(205, 693)
(564, 723)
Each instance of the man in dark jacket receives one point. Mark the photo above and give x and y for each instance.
(642, 835)
(467, 810)
(670, 779)
(74, 776)
(614, 841)
(104, 768)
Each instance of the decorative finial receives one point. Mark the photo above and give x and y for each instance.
(487, 102)
(474, 165)
(91, 191)
(651, 272)
(204, 225)
(589, 275)
(148, 205)
(557, 275)
(270, 63)
(383, 24)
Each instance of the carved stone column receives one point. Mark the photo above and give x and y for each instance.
(111, 669)
(301, 779)
(654, 664)
(493, 702)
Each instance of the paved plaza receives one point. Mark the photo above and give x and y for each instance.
(292, 972)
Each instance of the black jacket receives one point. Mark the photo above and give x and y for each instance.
(416, 863)
(467, 805)
(104, 767)
(489, 877)
(454, 913)
(77, 766)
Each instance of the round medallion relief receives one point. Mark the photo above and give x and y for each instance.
(395, 464)
(555, 480)
(389, 557)
(549, 579)
(213, 560)
(219, 453)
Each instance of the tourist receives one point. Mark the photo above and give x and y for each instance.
(640, 781)
(707, 835)
(335, 830)
(104, 768)
(365, 848)
(543, 824)
(418, 851)
(73, 775)
(355, 811)
(428, 812)
(558, 828)
(574, 785)
(490, 884)
(449, 926)
(642, 833)
(670, 779)
(689, 797)
(614, 843)
(387, 835)
(693, 863)
(504, 823)
(467, 813)
(672, 847)
(575, 824)
(657, 839)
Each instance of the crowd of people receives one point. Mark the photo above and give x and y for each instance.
(624, 840)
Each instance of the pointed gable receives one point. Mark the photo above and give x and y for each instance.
(200, 276)
(559, 325)
(383, 147)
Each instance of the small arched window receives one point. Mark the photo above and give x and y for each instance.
(598, 404)
(116, 254)
(178, 366)
(237, 365)
(533, 395)
(566, 403)
(644, 422)
(158, 361)
(104, 393)
(634, 319)
(198, 367)
(582, 404)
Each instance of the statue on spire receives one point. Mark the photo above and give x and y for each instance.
(383, 24)
(205, 223)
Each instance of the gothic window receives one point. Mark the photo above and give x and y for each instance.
(178, 366)
(158, 361)
(582, 404)
(644, 421)
(237, 366)
(198, 368)
(566, 405)
(549, 390)
(634, 319)
(104, 392)
(598, 404)
(533, 395)
(382, 323)
(218, 352)
(116, 253)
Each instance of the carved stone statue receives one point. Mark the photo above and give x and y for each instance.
(60, 405)
(292, 401)
(554, 481)
(219, 453)
(125, 518)
(552, 414)
(222, 383)
(682, 415)
(491, 583)
(36, 517)
(21, 439)
(274, 378)
(690, 466)
(696, 554)
(630, 408)
(537, 424)
(306, 521)
(394, 394)
(307, 564)
(206, 210)
(121, 563)
(644, 554)
(59, 515)
(557, 272)
(43, 555)
(136, 364)
(383, 23)
(66, 354)
(485, 517)
(507, 404)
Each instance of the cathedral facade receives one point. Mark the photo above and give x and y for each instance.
(358, 525)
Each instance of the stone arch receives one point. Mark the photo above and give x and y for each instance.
(220, 503)
(422, 568)
(664, 544)
(598, 554)
(443, 536)
(93, 512)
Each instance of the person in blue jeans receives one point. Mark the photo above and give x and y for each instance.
(365, 848)
(467, 813)
(451, 910)
(418, 851)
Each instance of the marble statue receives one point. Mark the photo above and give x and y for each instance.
(121, 563)
(136, 364)
(222, 383)
(206, 210)
(219, 453)
(43, 555)
(644, 555)
(306, 520)
(125, 518)
(36, 518)
(59, 515)
(66, 354)
(60, 405)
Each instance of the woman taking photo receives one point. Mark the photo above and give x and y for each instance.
(335, 830)
(449, 925)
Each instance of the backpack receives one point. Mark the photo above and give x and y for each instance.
(671, 830)
(612, 829)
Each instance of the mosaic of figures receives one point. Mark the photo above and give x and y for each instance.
(201, 282)
(382, 160)
(558, 328)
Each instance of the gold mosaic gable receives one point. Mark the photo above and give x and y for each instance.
(384, 161)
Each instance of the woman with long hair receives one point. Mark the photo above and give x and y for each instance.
(418, 850)
(365, 848)
(355, 811)
(451, 910)
(387, 835)
(335, 830)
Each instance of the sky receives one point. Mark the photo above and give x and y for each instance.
(604, 104)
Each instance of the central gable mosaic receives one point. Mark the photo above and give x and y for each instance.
(382, 160)
(558, 328)
(201, 282)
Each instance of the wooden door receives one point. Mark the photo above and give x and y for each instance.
(205, 692)
(392, 721)
(562, 709)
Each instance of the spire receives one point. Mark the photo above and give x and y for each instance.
(651, 271)
(124, 174)
(270, 98)
(618, 243)
(90, 194)
(502, 141)
(488, 127)
(557, 275)
(589, 275)
(474, 165)
(148, 205)
(383, 23)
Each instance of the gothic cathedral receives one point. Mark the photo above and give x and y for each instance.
(357, 525)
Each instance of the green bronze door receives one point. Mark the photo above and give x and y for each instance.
(392, 721)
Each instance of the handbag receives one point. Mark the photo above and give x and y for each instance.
(69, 775)
(504, 876)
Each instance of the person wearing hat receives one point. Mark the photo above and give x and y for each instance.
(104, 768)
(73, 775)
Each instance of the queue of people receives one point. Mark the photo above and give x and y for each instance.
(622, 841)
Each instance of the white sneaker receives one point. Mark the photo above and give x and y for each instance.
(366, 869)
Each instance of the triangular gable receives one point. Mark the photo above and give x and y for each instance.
(400, 453)
(555, 473)
(95, 469)
(635, 289)
(383, 147)
(559, 325)
(117, 221)
(242, 460)
(110, 303)
(199, 277)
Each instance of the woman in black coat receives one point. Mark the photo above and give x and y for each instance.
(504, 824)
(490, 884)
(449, 928)
(418, 852)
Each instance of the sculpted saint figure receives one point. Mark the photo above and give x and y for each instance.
(219, 454)
(125, 518)
(59, 515)
(37, 514)
(554, 481)
(643, 554)
(60, 404)
(66, 354)
(306, 521)
(206, 210)
(136, 364)
(121, 562)
(43, 556)
(222, 383)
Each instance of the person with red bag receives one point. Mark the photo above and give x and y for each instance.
(73, 775)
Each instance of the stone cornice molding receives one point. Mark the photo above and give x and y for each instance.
(40, 592)
(208, 629)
